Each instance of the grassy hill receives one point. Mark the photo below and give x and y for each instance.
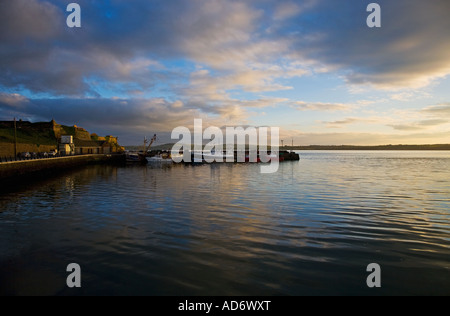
(28, 135)
(43, 136)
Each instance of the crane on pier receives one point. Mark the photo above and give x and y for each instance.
(147, 148)
(143, 156)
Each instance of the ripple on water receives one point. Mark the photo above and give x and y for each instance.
(311, 228)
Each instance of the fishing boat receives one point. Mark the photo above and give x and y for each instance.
(140, 157)
(159, 159)
(135, 158)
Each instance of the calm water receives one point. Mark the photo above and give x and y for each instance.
(312, 228)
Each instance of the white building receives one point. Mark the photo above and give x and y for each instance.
(66, 145)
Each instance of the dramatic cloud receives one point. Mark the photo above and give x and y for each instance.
(118, 115)
(135, 64)
(30, 20)
(409, 50)
(113, 115)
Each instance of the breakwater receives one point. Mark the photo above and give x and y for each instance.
(241, 156)
(15, 169)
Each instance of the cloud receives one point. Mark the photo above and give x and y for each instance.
(370, 139)
(126, 43)
(219, 34)
(113, 114)
(30, 20)
(208, 86)
(439, 110)
(286, 10)
(264, 102)
(409, 50)
(160, 63)
(410, 95)
(42, 55)
(120, 116)
(420, 125)
(321, 106)
(12, 100)
(347, 121)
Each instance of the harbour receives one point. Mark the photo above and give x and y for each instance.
(18, 168)
(203, 151)
(225, 229)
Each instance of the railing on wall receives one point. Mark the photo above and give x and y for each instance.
(33, 157)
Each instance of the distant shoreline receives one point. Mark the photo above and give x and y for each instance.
(330, 147)
(381, 147)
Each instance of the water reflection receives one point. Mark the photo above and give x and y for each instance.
(226, 229)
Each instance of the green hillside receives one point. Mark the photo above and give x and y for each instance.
(43, 133)
(28, 135)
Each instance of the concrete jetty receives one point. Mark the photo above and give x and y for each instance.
(15, 169)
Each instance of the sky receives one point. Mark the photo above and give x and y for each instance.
(313, 68)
